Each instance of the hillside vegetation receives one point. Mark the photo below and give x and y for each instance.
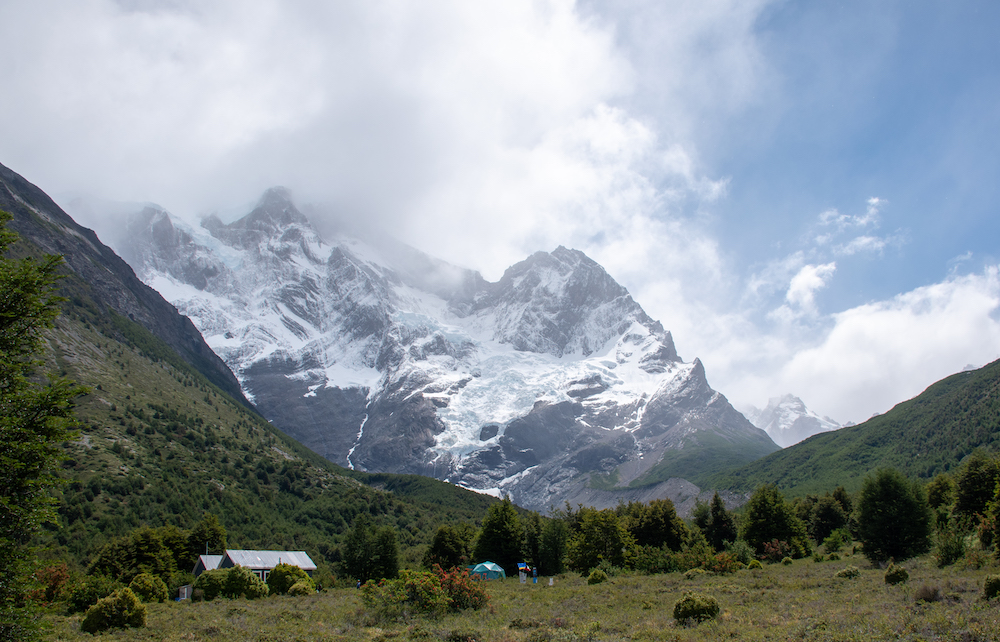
(929, 434)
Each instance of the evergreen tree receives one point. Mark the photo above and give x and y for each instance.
(449, 548)
(207, 537)
(941, 491)
(827, 516)
(501, 536)
(721, 526)
(602, 536)
(656, 524)
(532, 538)
(894, 519)
(35, 418)
(975, 483)
(552, 548)
(769, 517)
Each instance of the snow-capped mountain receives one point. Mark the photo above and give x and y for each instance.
(544, 385)
(787, 420)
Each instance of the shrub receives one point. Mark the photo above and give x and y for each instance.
(848, 573)
(833, 557)
(211, 583)
(836, 540)
(927, 593)
(818, 557)
(241, 582)
(283, 576)
(652, 560)
(991, 586)
(301, 588)
(462, 635)
(695, 607)
(694, 572)
(787, 561)
(121, 609)
(414, 591)
(775, 550)
(149, 587)
(755, 564)
(88, 592)
(597, 576)
(950, 547)
(740, 551)
(461, 590)
(53, 581)
(896, 574)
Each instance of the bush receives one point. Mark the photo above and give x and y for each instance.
(695, 607)
(461, 590)
(950, 547)
(652, 560)
(896, 574)
(775, 550)
(848, 573)
(836, 540)
(149, 587)
(301, 588)
(121, 609)
(597, 576)
(92, 589)
(740, 551)
(787, 561)
(694, 572)
(833, 557)
(927, 593)
(991, 587)
(241, 582)
(415, 591)
(755, 564)
(283, 576)
(211, 583)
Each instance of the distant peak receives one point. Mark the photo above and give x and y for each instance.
(275, 196)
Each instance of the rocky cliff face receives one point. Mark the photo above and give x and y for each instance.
(787, 420)
(545, 384)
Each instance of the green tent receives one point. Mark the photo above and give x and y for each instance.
(487, 571)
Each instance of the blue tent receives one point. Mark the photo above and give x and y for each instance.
(488, 571)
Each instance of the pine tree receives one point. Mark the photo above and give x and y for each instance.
(721, 526)
(35, 418)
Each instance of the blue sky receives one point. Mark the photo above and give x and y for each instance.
(803, 192)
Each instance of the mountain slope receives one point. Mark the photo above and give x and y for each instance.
(162, 440)
(380, 358)
(787, 421)
(928, 434)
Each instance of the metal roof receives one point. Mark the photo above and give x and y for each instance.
(270, 559)
(210, 562)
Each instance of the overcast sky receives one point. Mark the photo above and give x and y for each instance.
(805, 193)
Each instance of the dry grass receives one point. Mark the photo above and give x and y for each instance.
(803, 601)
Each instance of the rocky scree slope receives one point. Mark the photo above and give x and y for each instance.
(551, 384)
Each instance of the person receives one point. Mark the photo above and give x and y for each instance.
(534, 575)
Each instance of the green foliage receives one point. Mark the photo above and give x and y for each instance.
(740, 551)
(597, 576)
(755, 564)
(836, 540)
(242, 582)
(283, 576)
(211, 583)
(991, 587)
(451, 546)
(414, 592)
(848, 573)
(89, 591)
(302, 588)
(149, 588)
(35, 418)
(893, 517)
(552, 548)
(120, 610)
(975, 484)
(501, 537)
(950, 546)
(826, 516)
(721, 527)
(370, 552)
(896, 574)
(769, 517)
(695, 607)
(463, 592)
(654, 524)
(941, 491)
(140, 551)
(787, 561)
(207, 537)
(601, 536)
(651, 560)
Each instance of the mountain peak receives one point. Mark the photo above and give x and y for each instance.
(788, 421)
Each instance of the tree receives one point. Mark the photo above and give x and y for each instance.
(769, 517)
(370, 553)
(532, 538)
(656, 524)
(35, 418)
(208, 536)
(602, 536)
(894, 519)
(975, 482)
(552, 549)
(827, 516)
(941, 491)
(450, 547)
(501, 537)
(721, 526)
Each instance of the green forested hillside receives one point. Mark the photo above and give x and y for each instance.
(922, 437)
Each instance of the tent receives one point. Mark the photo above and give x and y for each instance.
(487, 571)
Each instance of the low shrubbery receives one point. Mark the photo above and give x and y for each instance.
(122, 609)
(234, 582)
(597, 576)
(423, 593)
(89, 591)
(848, 573)
(695, 607)
(991, 587)
(149, 588)
(283, 576)
(896, 574)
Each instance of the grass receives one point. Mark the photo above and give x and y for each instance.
(803, 601)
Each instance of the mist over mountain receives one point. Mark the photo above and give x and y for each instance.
(551, 384)
(787, 421)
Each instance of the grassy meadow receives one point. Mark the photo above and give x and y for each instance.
(801, 601)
